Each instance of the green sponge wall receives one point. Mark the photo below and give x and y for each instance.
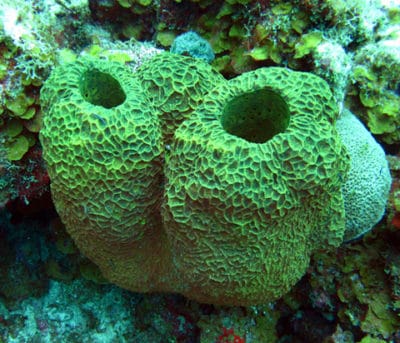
(102, 144)
(230, 212)
(254, 185)
(176, 85)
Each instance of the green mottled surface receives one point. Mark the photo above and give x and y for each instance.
(243, 218)
(103, 158)
(250, 186)
(374, 92)
(176, 85)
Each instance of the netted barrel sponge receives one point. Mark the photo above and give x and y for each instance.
(254, 185)
(176, 85)
(102, 145)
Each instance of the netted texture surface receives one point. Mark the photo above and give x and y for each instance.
(244, 217)
(218, 190)
(102, 144)
(176, 85)
(367, 187)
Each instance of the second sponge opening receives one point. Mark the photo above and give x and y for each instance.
(256, 116)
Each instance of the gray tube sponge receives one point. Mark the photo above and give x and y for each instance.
(368, 182)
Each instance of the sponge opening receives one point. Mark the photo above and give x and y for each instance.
(256, 116)
(101, 89)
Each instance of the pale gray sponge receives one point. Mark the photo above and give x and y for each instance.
(368, 182)
(191, 44)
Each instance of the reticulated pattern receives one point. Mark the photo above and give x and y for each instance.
(102, 144)
(176, 85)
(244, 212)
(231, 212)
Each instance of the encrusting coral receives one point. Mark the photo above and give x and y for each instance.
(367, 186)
(243, 202)
(374, 95)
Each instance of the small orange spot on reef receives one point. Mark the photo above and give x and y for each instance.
(396, 220)
(228, 336)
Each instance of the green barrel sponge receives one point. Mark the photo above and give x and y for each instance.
(249, 187)
(254, 186)
(102, 145)
(366, 189)
(176, 85)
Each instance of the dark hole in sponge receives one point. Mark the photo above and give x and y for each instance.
(256, 116)
(101, 89)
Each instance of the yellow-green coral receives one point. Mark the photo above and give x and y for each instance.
(19, 104)
(374, 95)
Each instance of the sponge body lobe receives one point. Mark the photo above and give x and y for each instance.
(244, 217)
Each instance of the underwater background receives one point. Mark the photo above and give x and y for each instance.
(50, 292)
